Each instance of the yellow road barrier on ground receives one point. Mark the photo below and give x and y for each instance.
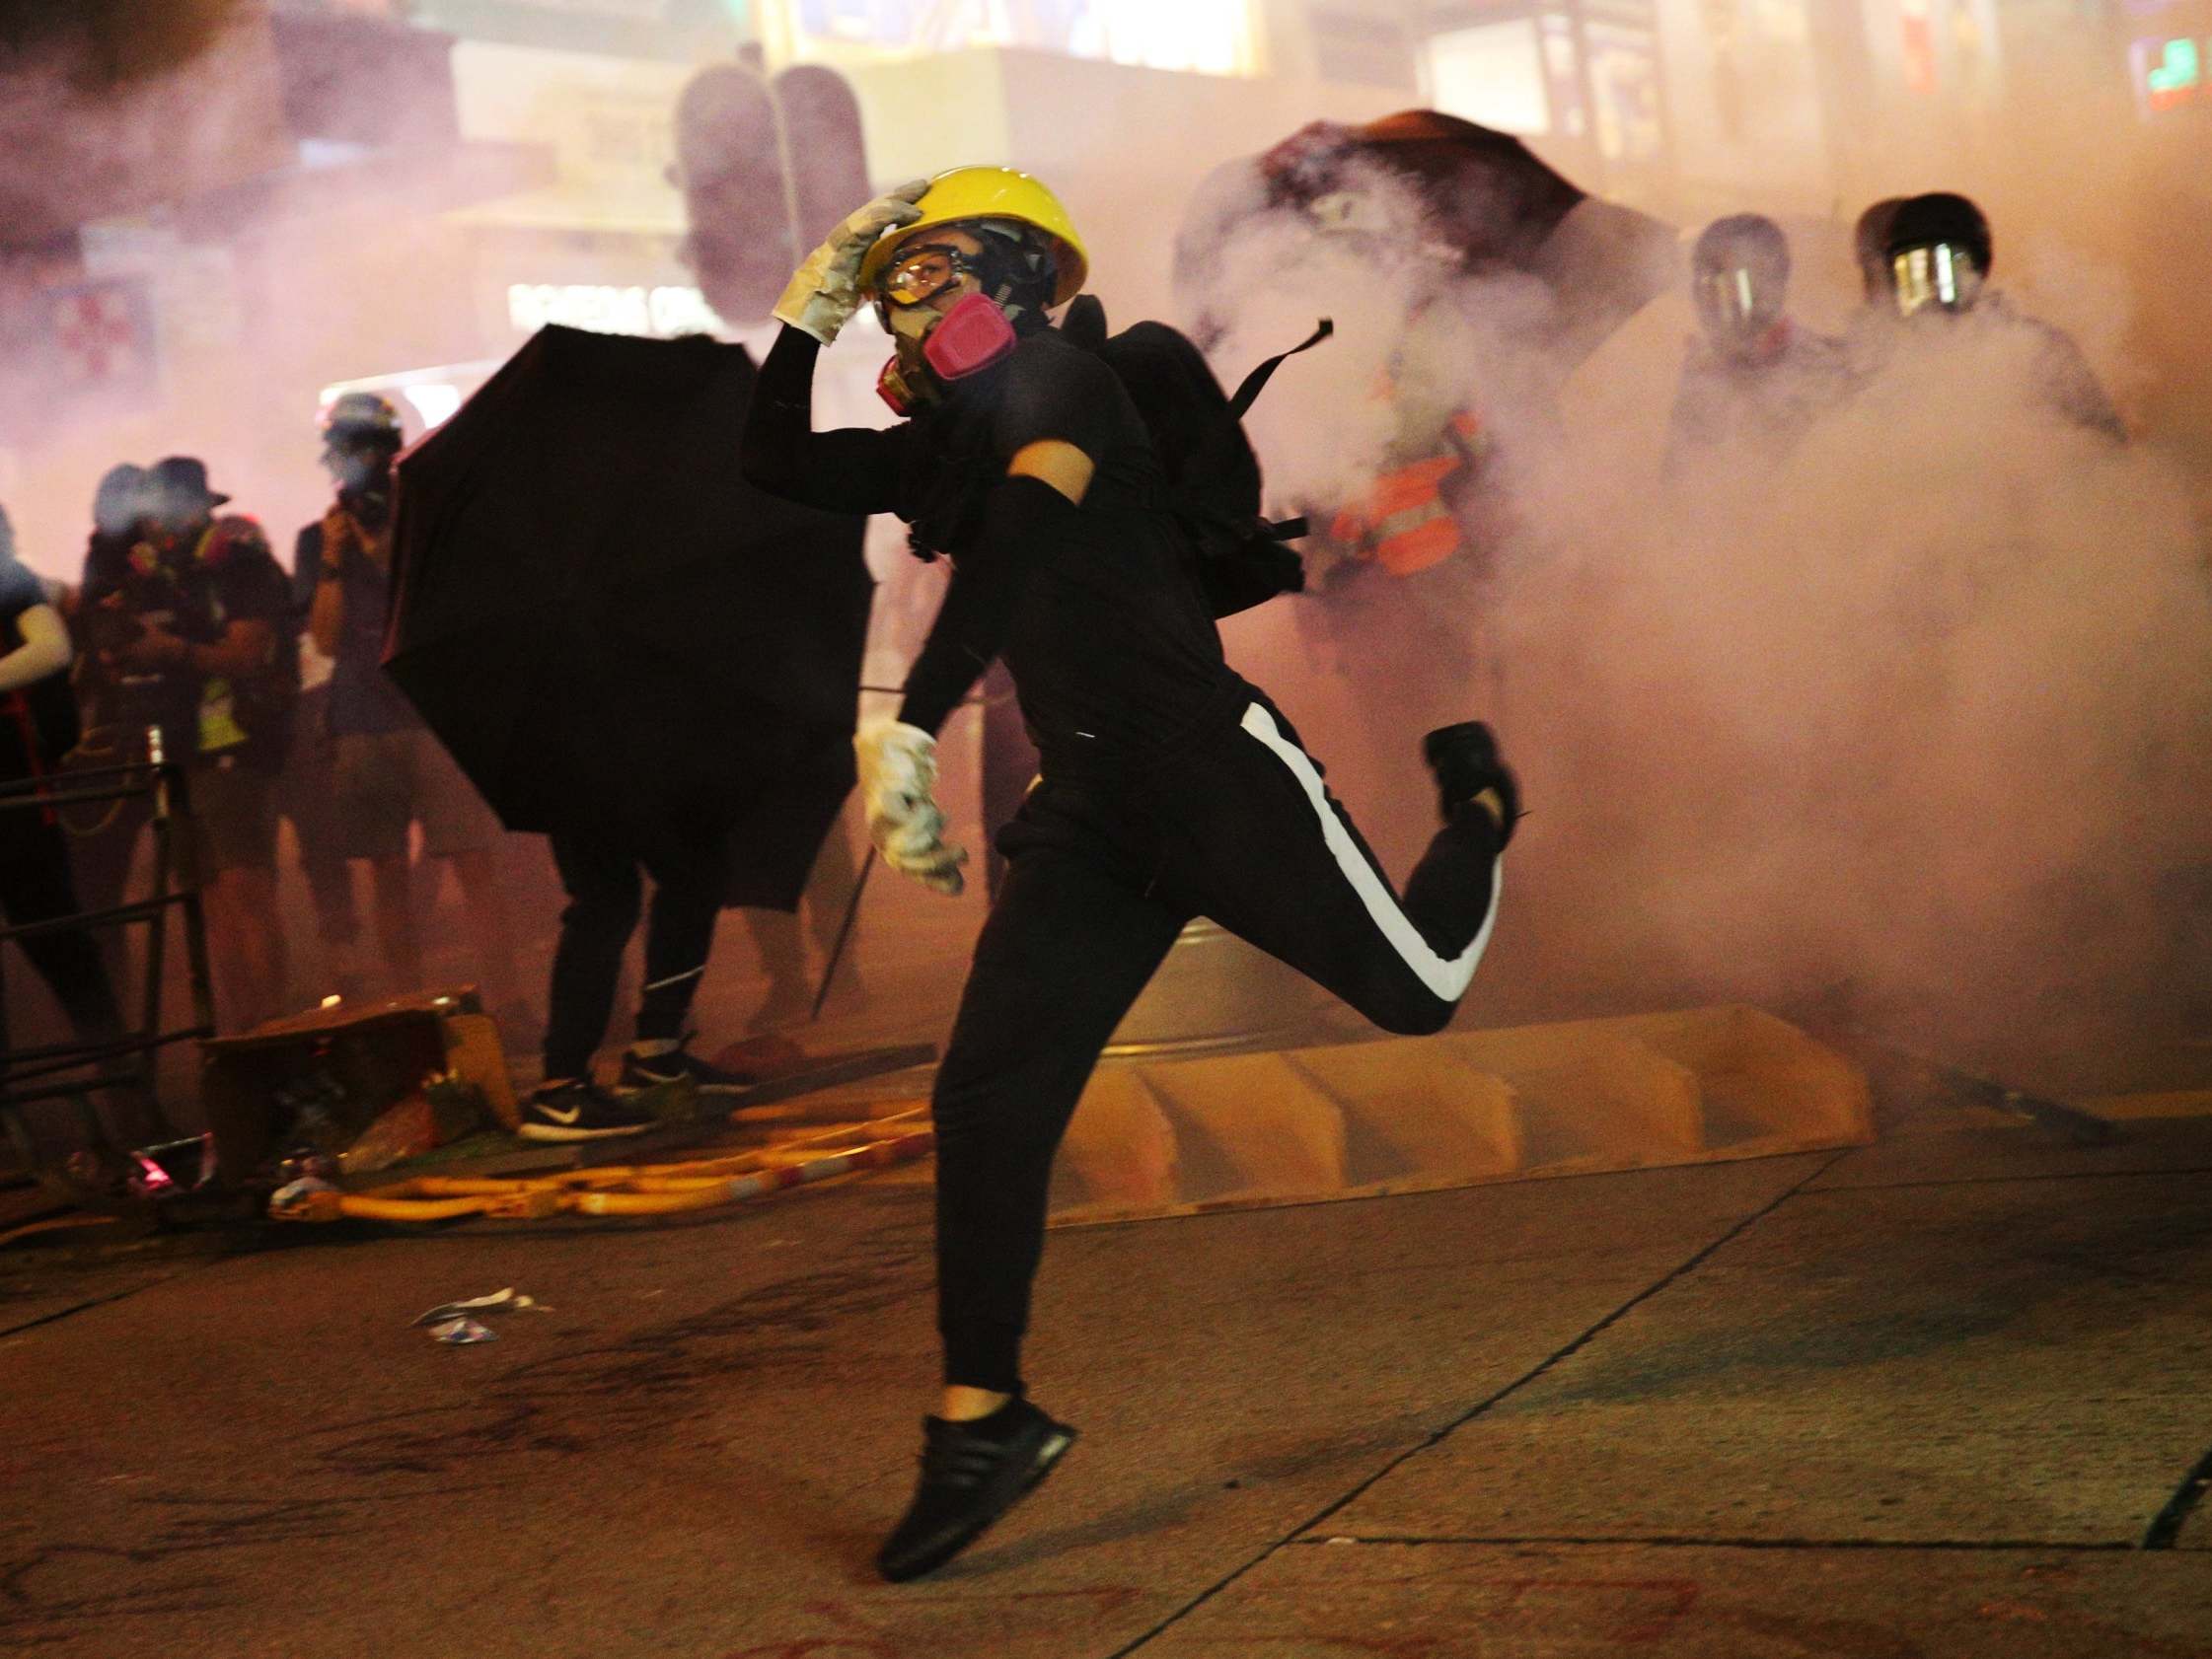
(630, 1189)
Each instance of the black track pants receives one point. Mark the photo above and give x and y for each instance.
(605, 894)
(1102, 874)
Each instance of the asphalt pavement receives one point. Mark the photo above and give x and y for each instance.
(1945, 1396)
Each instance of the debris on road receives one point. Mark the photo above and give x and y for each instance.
(457, 1332)
(498, 1302)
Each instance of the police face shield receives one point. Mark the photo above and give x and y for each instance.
(1941, 278)
(1738, 303)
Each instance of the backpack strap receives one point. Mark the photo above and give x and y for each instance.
(1249, 390)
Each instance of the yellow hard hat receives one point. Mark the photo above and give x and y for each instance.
(990, 192)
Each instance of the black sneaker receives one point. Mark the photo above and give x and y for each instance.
(650, 1072)
(971, 1474)
(1464, 759)
(572, 1111)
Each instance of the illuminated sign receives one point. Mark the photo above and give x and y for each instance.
(609, 310)
(1214, 37)
(2169, 73)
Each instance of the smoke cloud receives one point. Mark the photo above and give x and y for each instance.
(1918, 712)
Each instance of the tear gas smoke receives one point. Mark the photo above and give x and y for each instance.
(1923, 709)
(104, 44)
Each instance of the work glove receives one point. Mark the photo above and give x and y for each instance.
(824, 291)
(898, 770)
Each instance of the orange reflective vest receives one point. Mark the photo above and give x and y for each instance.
(1404, 524)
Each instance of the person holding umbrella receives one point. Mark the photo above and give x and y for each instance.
(629, 650)
(1169, 786)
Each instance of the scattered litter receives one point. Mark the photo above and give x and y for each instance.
(297, 1197)
(460, 1331)
(498, 1302)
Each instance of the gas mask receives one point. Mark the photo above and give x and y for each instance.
(936, 347)
(363, 474)
(1941, 275)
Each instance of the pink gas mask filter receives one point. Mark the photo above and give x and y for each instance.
(972, 335)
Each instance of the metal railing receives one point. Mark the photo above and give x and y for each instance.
(126, 1062)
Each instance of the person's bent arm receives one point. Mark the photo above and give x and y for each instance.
(849, 470)
(1058, 463)
(978, 606)
(44, 650)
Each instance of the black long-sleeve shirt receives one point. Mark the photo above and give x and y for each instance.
(1112, 648)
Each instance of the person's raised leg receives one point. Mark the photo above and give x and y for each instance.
(1275, 859)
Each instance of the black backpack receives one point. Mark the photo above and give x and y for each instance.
(1239, 558)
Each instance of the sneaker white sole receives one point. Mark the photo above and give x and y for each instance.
(557, 1131)
(636, 1082)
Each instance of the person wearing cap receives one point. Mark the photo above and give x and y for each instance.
(1169, 786)
(1940, 253)
(202, 615)
(390, 772)
(1754, 380)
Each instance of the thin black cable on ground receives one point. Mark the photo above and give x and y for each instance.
(60, 1313)
(2166, 1527)
(1438, 1436)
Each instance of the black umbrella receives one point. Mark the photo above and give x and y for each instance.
(1484, 194)
(611, 629)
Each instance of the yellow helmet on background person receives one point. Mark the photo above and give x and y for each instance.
(992, 192)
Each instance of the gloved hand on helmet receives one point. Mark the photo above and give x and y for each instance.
(824, 291)
(897, 772)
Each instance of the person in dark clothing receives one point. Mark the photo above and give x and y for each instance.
(1940, 253)
(199, 641)
(307, 790)
(1755, 381)
(104, 840)
(37, 726)
(389, 770)
(604, 880)
(1169, 786)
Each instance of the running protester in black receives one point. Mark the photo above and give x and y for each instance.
(1170, 787)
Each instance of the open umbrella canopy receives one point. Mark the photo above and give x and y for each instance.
(1483, 196)
(609, 628)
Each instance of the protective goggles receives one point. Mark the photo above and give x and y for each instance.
(922, 275)
(1941, 274)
